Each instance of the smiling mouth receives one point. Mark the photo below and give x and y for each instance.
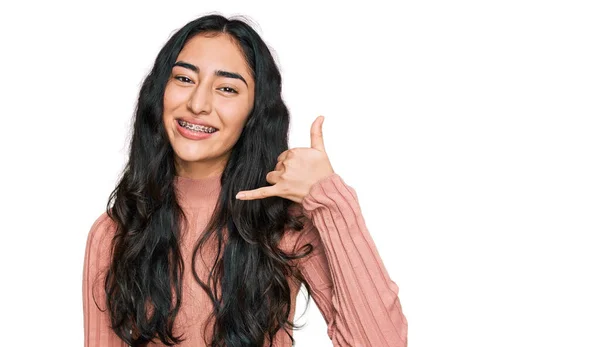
(196, 127)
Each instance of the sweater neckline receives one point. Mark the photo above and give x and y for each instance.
(197, 191)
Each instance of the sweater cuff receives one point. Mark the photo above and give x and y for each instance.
(325, 193)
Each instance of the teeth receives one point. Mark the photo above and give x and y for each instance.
(196, 127)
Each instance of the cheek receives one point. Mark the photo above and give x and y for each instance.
(234, 115)
(172, 98)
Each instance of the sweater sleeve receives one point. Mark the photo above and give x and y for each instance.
(345, 273)
(97, 331)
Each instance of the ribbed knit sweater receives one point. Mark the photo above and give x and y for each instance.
(346, 275)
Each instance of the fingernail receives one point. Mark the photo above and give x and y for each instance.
(240, 196)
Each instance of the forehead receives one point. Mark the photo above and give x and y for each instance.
(214, 53)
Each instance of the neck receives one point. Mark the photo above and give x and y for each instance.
(200, 169)
(198, 191)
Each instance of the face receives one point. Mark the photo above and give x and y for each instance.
(210, 88)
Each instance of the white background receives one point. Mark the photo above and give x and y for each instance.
(470, 130)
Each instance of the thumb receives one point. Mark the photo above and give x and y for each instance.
(316, 134)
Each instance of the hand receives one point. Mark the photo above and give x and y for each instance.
(297, 170)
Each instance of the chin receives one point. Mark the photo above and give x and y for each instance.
(188, 152)
(190, 156)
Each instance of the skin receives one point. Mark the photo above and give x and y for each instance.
(297, 170)
(226, 103)
(203, 96)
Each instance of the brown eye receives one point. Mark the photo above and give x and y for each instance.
(183, 79)
(229, 90)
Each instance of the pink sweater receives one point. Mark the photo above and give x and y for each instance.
(350, 284)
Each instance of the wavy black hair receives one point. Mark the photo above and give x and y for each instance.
(144, 280)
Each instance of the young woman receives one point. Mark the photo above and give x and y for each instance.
(181, 258)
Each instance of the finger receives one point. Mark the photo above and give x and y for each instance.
(283, 155)
(260, 193)
(316, 134)
(274, 176)
(279, 166)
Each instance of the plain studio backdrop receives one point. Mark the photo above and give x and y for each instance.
(469, 129)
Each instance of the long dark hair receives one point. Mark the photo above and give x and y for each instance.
(146, 267)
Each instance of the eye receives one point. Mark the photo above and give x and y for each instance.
(183, 79)
(229, 90)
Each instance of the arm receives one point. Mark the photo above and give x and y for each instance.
(97, 331)
(346, 275)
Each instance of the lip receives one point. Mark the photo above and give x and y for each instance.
(196, 121)
(192, 135)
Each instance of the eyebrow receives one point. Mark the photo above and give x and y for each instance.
(220, 73)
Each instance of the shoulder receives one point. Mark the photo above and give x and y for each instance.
(101, 232)
(99, 243)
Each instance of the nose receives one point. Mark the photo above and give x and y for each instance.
(201, 100)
